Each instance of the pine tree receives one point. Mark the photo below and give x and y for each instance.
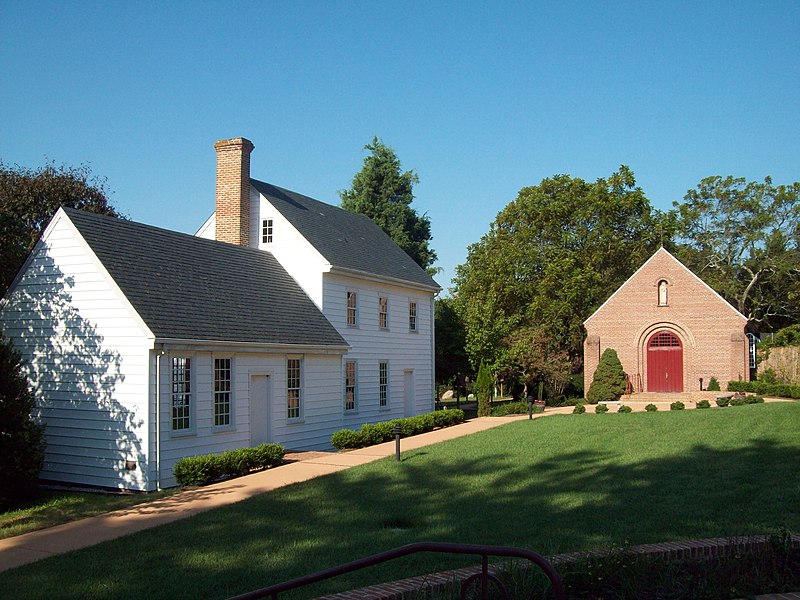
(608, 383)
(483, 389)
(381, 191)
(21, 438)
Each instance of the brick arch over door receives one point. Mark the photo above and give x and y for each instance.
(664, 362)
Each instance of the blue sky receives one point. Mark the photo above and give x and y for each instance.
(480, 99)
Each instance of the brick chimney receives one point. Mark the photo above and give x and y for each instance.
(233, 191)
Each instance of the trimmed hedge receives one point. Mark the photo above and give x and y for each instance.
(762, 388)
(515, 408)
(579, 409)
(677, 405)
(377, 433)
(200, 470)
(651, 407)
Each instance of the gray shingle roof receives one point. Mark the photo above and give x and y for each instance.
(186, 287)
(347, 240)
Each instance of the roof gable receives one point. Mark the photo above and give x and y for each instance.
(345, 239)
(189, 288)
(663, 253)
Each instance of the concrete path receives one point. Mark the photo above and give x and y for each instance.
(30, 547)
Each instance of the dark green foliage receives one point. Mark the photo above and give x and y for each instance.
(651, 407)
(625, 409)
(768, 376)
(677, 405)
(483, 389)
(451, 358)
(738, 401)
(383, 193)
(713, 385)
(29, 199)
(377, 433)
(579, 409)
(21, 438)
(723, 402)
(608, 383)
(780, 390)
(703, 404)
(514, 408)
(601, 408)
(201, 470)
(754, 399)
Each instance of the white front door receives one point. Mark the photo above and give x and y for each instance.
(260, 421)
(408, 393)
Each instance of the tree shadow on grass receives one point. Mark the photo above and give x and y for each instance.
(579, 501)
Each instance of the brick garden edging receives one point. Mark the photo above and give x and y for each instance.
(398, 590)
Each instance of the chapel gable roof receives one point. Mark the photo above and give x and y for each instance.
(190, 288)
(345, 239)
(670, 262)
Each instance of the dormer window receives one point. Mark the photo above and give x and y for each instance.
(662, 293)
(266, 231)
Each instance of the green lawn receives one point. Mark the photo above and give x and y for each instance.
(558, 484)
(56, 507)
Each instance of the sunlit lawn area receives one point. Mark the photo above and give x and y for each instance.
(56, 507)
(563, 483)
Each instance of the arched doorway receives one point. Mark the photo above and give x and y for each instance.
(664, 363)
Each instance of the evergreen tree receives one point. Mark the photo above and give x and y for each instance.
(483, 389)
(608, 383)
(21, 438)
(381, 191)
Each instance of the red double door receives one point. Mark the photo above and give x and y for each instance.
(664, 363)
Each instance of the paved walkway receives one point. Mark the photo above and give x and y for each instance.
(30, 547)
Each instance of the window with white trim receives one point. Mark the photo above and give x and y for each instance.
(222, 392)
(350, 385)
(266, 231)
(294, 391)
(352, 308)
(383, 313)
(383, 384)
(412, 316)
(181, 393)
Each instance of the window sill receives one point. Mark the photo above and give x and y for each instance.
(182, 433)
(295, 421)
(223, 429)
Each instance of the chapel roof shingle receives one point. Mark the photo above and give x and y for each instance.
(347, 240)
(186, 287)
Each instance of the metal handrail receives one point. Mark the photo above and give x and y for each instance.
(483, 550)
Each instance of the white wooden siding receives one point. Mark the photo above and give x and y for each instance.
(370, 345)
(87, 352)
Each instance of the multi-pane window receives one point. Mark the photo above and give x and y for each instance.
(266, 231)
(383, 384)
(352, 308)
(293, 389)
(181, 392)
(412, 316)
(350, 385)
(383, 313)
(222, 392)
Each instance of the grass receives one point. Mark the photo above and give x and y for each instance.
(57, 507)
(562, 484)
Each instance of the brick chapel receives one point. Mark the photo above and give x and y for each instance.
(670, 329)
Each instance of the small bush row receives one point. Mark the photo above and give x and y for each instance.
(762, 388)
(739, 401)
(377, 433)
(200, 470)
(514, 408)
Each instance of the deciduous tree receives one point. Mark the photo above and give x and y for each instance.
(383, 192)
(451, 358)
(28, 200)
(743, 239)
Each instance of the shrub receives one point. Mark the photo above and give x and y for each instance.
(608, 383)
(713, 385)
(754, 399)
(203, 469)
(763, 388)
(376, 433)
(738, 401)
(601, 408)
(625, 409)
(514, 408)
(651, 407)
(677, 405)
(723, 402)
(704, 404)
(21, 438)
(483, 387)
(769, 376)
(579, 409)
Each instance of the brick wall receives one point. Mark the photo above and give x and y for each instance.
(233, 191)
(710, 330)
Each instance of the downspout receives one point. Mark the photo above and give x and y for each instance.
(433, 349)
(159, 354)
